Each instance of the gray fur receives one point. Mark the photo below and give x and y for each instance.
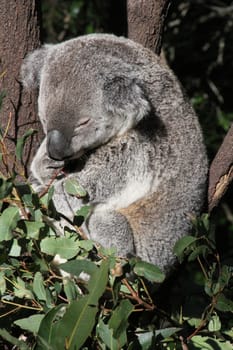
(132, 137)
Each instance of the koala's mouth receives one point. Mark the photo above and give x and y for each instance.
(58, 147)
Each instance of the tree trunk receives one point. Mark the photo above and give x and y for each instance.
(146, 19)
(19, 34)
(221, 171)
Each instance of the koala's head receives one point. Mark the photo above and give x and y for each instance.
(86, 95)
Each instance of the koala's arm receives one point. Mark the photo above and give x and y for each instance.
(114, 175)
(43, 168)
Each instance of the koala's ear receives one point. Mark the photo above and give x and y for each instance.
(124, 96)
(31, 68)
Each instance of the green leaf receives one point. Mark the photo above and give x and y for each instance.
(75, 267)
(74, 188)
(146, 339)
(79, 319)
(21, 290)
(5, 187)
(45, 334)
(15, 249)
(86, 244)
(200, 250)
(66, 247)
(31, 323)
(182, 244)
(21, 142)
(208, 343)
(76, 325)
(8, 222)
(33, 228)
(119, 319)
(167, 332)
(38, 286)
(225, 276)
(149, 271)
(2, 283)
(70, 289)
(106, 335)
(224, 304)
(12, 340)
(214, 324)
(82, 214)
(47, 197)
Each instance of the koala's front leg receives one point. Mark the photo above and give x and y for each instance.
(111, 229)
(43, 168)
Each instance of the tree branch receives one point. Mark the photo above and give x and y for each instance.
(221, 171)
(146, 19)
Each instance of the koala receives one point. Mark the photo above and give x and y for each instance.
(118, 122)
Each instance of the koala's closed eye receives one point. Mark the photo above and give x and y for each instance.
(83, 122)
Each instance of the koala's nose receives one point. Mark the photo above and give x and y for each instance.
(58, 146)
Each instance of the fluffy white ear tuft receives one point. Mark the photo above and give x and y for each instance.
(125, 97)
(32, 66)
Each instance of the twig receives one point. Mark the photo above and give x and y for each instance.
(136, 296)
(183, 344)
(53, 178)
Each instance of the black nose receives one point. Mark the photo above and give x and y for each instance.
(58, 146)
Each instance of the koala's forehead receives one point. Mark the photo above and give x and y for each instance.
(90, 56)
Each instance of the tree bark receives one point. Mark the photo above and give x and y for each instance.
(221, 171)
(146, 20)
(19, 34)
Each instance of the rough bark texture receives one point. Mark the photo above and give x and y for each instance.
(146, 19)
(19, 34)
(221, 171)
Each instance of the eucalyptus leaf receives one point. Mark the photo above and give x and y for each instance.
(70, 289)
(208, 343)
(38, 286)
(82, 214)
(86, 244)
(224, 304)
(105, 333)
(66, 247)
(21, 142)
(200, 250)
(8, 222)
(75, 326)
(15, 248)
(31, 323)
(33, 228)
(182, 244)
(167, 332)
(21, 290)
(119, 319)
(2, 283)
(75, 267)
(74, 188)
(149, 271)
(146, 339)
(12, 340)
(5, 187)
(45, 333)
(214, 324)
(80, 317)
